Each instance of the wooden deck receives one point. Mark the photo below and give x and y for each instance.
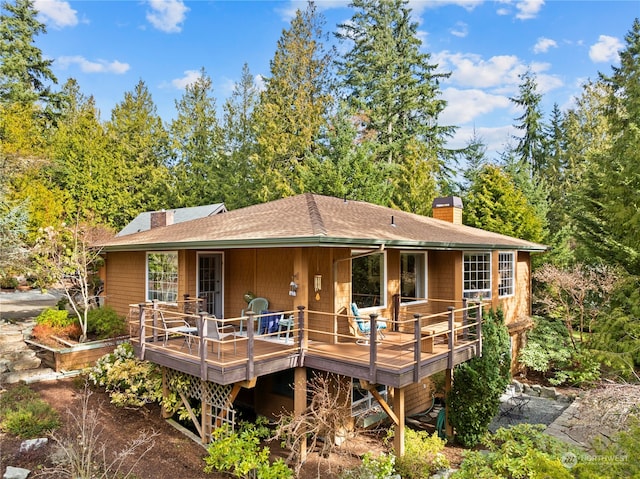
(396, 360)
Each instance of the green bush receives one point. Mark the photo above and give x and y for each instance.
(422, 455)
(474, 399)
(522, 451)
(129, 381)
(381, 467)
(25, 415)
(55, 318)
(105, 323)
(549, 351)
(240, 455)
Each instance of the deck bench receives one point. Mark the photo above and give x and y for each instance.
(431, 331)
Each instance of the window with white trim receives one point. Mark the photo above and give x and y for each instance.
(413, 276)
(162, 276)
(368, 280)
(477, 275)
(506, 274)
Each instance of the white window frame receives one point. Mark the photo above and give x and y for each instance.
(383, 293)
(422, 278)
(148, 279)
(467, 280)
(506, 274)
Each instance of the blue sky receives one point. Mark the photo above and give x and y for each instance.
(108, 46)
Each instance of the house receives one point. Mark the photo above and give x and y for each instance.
(311, 257)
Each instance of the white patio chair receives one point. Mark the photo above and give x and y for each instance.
(217, 333)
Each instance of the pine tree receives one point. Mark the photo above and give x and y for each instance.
(607, 217)
(494, 203)
(138, 143)
(394, 88)
(196, 139)
(293, 107)
(531, 147)
(25, 76)
(240, 142)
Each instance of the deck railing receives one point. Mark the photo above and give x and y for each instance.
(410, 337)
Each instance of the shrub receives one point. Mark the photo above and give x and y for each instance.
(42, 332)
(129, 381)
(519, 451)
(422, 456)
(240, 455)
(25, 415)
(474, 398)
(105, 323)
(381, 467)
(54, 318)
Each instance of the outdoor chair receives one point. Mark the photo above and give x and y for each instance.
(257, 306)
(362, 326)
(218, 332)
(177, 325)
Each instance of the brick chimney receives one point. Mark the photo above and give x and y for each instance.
(161, 218)
(448, 208)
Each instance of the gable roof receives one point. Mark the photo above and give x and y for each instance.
(142, 222)
(316, 220)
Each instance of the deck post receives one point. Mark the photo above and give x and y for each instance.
(465, 317)
(303, 336)
(479, 328)
(452, 332)
(373, 347)
(417, 350)
(202, 344)
(142, 330)
(250, 344)
(398, 408)
(300, 404)
(448, 383)
(155, 320)
(165, 392)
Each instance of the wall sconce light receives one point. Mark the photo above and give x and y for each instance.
(317, 285)
(293, 286)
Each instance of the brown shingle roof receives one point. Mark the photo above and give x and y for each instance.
(310, 219)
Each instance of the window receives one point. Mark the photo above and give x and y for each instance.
(413, 276)
(162, 277)
(368, 280)
(506, 283)
(477, 275)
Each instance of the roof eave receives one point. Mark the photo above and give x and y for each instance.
(311, 241)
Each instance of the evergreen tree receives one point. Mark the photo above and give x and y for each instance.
(607, 217)
(531, 146)
(239, 141)
(343, 167)
(138, 143)
(25, 76)
(474, 157)
(292, 110)
(394, 88)
(494, 203)
(196, 139)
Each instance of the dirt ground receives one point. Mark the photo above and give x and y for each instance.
(174, 455)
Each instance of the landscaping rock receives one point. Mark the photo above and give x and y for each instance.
(31, 444)
(16, 473)
(548, 392)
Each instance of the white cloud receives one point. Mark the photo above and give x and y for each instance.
(528, 9)
(190, 77)
(464, 106)
(260, 82)
(471, 70)
(98, 66)
(605, 50)
(543, 44)
(56, 13)
(495, 139)
(461, 30)
(167, 15)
